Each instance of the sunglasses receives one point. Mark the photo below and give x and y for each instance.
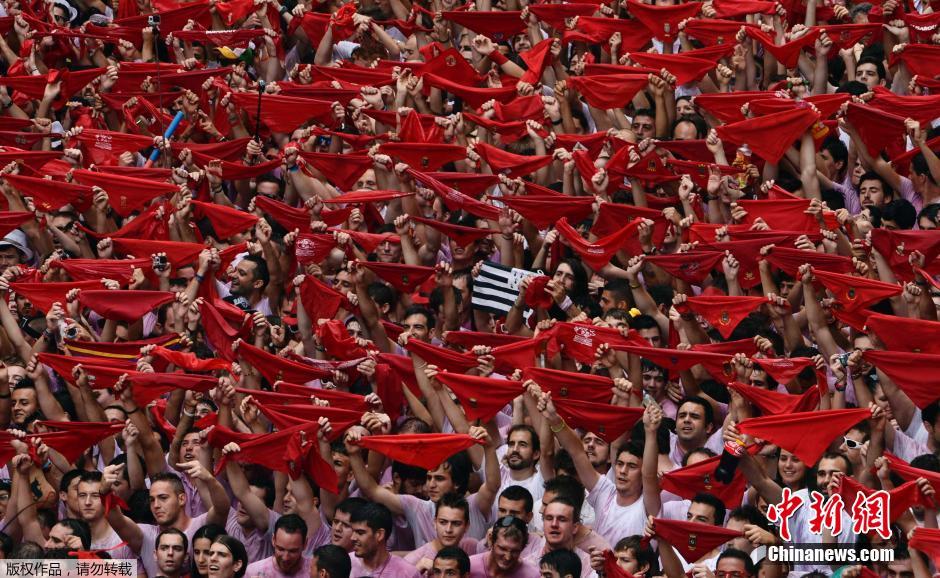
(510, 521)
(851, 444)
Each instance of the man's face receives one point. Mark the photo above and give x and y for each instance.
(165, 503)
(189, 447)
(690, 423)
(627, 474)
(900, 569)
(243, 279)
(565, 276)
(652, 335)
(506, 552)
(740, 543)
(268, 189)
(616, 322)
(450, 526)
(558, 525)
(644, 126)
(367, 181)
(388, 252)
(416, 326)
(342, 531)
(24, 404)
(515, 508)
(62, 537)
(170, 554)
(288, 550)
(827, 467)
(9, 257)
(684, 107)
(4, 500)
(608, 301)
(701, 513)
(868, 75)
(685, 131)
(596, 449)
(519, 454)
(546, 571)
(626, 559)
(731, 568)
(344, 283)
(758, 378)
(445, 568)
(89, 501)
(829, 165)
(654, 383)
(364, 541)
(241, 515)
(871, 193)
(439, 483)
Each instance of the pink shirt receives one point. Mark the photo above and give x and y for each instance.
(522, 570)
(468, 545)
(149, 543)
(267, 568)
(393, 567)
(420, 515)
(257, 544)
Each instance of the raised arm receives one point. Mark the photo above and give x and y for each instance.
(367, 484)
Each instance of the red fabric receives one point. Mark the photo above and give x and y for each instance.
(735, 8)
(335, 339)
(500, 26)
(536, 294)
(715, 32)
(451, 65)
(336, 398)
(920, 59)
(877, 128)
(854, 293)
(543, 211)
(95, 269)
(783, 369)
(31, 159)
(226, 221)
(685, 68)
(510, 164)
(555, 14)
(467, 339)
(747, 252)
(10, 220)
(726, 106)
(663, 21)
(126, 305)
(599, 29)
(189, 361)
(691, 539)
(481, 398)
(127, 194)
(536, 59)
(580, 341)
(122, 350)
(445, 359)
(287, 416)
(275, 368)
(692, 267)
(454, 199)
(473, 96)
(471, 184)
(73, 438)
(926, 540)
(905, 333)
(805, 434)
(897, 246)
(608, 422)
(901, 498)
(789, 260)
(313, 247)
(912, 372)
(362, 197)
(43, 295)
(770, 136)
(321, 301)
(459, 234)
(600, 252)
(909, 473)
(341, 170)
(612, 216)
(509, 357)
(826, 104)
(609, 91)
(848, 35)
(723, 313)
(178, 253)
(674, 360)
(787, 54)
(698, 478)
(293, 451)
(424, 156)
(745, 346)
(782, 214)
(404, 278)
(219, 332)
(426, 451)
(105, 371)
(279, 113)
(566, 384)
(776, 403)
(34, 86)
(50, 196)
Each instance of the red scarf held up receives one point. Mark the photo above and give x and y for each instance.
(609, 91)
(600, 252)
(566, 384)
(426, 451)
(124, 305)
(127, 194)
(775, 403)
(663, 21)
(608, 422)
(905, 333)
(481, 398)
(692, 267)
(698, 478)
(805, 434)
(693, 540)
(675, 360)
(914, 373)
(770, 136)
(855, 293)
(723, 313)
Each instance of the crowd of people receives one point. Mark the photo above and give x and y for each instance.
(389, 288)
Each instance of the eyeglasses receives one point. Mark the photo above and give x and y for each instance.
(851, 444)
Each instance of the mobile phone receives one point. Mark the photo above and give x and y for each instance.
(648, 399)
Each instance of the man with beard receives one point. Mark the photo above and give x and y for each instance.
(288, 561)
(371, 526)
(170, 554)
(520, 465)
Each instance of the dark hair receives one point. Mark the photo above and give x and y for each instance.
(837, 149)
(696, 399)
(90, 476)
(510, 527)
(901, 211)
(173, 479)
(419, 310)
(292, 524)
(455, 553)
(750, 514)
(739, 555)
(701, 127)
(929, 462)
(382, 294)
(873, 176)
(375, 516)
(261, 269)
(645, 556)
(79, 528)
(879, 66)
(455, 501)
(6, 544)
(569, 488)
(460, 467)
(265, 483)
(919, 166)
(645, 112)
(620, 289)
(334, 560)
(644, 321)
(565, 500)
(172, 532)
(533, 435)
(408, 472)
(565, 562)
(237, 549)
(632, 447)
(350, 505)
(518, 493)
(208, 532)
(702, 450)
(853, 87)
(67, 479)
(931, 213)
(715, 503)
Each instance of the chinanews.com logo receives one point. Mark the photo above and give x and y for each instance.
(869, 513)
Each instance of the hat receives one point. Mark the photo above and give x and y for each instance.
(69, 9)
(17, 239)
(228, 53)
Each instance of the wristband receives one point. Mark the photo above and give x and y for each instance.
(188, 414)
(5, 395)
(498, 57)
(283, 10)
(199, 277)
(556, 122)
(559, 428)
(135, 410)
(566, 304)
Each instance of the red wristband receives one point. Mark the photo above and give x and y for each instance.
(498, 57)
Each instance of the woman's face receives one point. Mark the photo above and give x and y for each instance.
(565, 275)
(792, 470)
(221, 562)
(201, 555)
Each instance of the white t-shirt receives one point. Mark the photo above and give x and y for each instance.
(613, 521)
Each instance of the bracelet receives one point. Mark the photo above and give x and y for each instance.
(188, 414)
(635, 285)
(498, 57)
(5, 395)
(566, 304)
(687, 316)
(283, 10)
(8, 104)
(135, 410)
(560, 428)
(556, 122)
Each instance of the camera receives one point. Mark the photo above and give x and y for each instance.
(160, 262)
(153, 20)
(71, 332)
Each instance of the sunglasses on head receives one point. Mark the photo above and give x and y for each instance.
(510, 521)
